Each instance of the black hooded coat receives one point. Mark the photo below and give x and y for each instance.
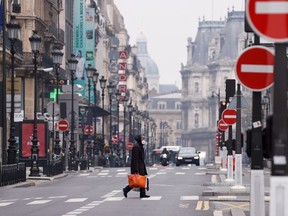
(138, 157)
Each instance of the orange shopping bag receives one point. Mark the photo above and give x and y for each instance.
(136, 181)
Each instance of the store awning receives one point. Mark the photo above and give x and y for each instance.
(99, 112)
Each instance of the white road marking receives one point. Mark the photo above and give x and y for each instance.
(102, 174)
(121, 170)
(56, 197)
(202, 168)
(217, 213)
(189, 198)
(227, 197)
(5, 204)
(105, 171)
(185, 168)
(180, 173)
(38, 202)
(73, 213)
(113, 199)
(200, 173)
(153, 168)
(152, 198)
(76, 200)
(84, 174)
(199, 205)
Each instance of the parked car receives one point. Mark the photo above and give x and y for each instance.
(187, 155)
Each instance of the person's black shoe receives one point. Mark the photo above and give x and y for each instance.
(144, 196)
(124, 192)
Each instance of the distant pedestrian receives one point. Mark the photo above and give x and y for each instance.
(138, 164)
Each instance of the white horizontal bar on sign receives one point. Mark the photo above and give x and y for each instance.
(251, 68)
(230, 116)
(275, 7)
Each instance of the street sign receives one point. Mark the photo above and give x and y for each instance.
(268, 18)
(63, 125)
(255, 68)
(229, 116)
(222, 125)
(88, 130)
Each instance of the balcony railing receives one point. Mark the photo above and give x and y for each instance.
(18, 46)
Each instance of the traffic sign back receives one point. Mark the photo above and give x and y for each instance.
(255, 68)
(268, 18)
(229, 116)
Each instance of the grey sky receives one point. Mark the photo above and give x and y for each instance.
(167, 24)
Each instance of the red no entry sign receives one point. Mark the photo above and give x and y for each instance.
(229, 116)
(268, 18)
(222, 125)
(255, 68)
(88, 130)
(63, 125)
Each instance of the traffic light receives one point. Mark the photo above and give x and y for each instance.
(230, 88)
(222, 107)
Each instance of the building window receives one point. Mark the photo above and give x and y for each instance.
(161, 106)
(178, 141)
(196, 87)
(196, 120)
(179, 125)
(178, 106)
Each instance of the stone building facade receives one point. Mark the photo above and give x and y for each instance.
(211, 59)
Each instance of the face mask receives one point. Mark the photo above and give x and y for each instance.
(144, 142)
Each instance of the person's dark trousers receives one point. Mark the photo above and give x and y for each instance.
(142, 192)
(126, 190)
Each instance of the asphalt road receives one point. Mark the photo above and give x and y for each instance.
(173, 191)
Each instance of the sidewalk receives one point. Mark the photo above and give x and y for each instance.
(221, 192)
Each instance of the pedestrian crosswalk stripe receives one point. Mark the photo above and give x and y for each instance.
(102, 174)
(113, 199)
(152, 198)
(200, 173)
(121, 170)
(38, 202)
(217, 213)
(76, 200)
(189, 198)
(185, 168)
(5, 204)
(180, 173)
(84, 174)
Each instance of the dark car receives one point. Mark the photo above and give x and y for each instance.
(187, 155)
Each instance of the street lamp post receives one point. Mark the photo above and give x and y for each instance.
(130, 110)
(35, 41)
(72, 149)
(102, 86)
(110, 93)
(125, 101)
(13, 34)
(89, 73)
(118, 97)
(95, 81)
(57, 57)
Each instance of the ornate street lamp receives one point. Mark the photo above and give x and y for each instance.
(102, 86)
(72, 63)
(124, 101)
(13, 33)
(35, 41)
(95, 81)
(110, 92)
(89, 72)
(57, 57)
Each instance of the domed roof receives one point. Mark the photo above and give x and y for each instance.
(142, 54)
(149, 65)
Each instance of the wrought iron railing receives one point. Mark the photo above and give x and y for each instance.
(12, 174)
